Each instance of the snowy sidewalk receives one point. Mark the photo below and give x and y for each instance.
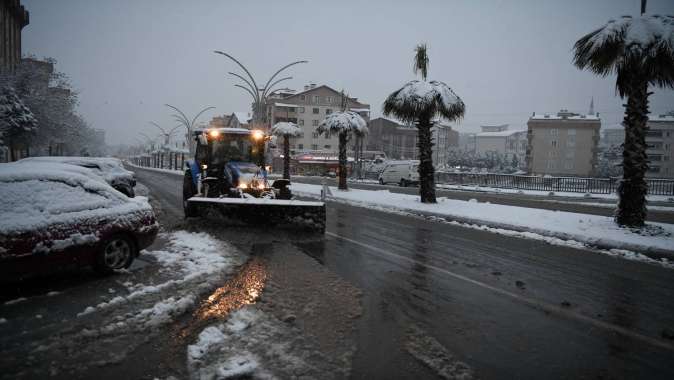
(590, 230)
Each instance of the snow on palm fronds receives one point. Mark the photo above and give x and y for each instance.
(286, 129)
(643, 44)
(420, 97)
(345, 121)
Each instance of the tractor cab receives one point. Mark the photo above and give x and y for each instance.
(228, 175)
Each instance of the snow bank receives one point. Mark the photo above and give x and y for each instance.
(187, 257)
(591, 230)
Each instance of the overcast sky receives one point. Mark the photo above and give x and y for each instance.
(505, 59)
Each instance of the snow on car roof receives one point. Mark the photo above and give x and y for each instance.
(110, 168)
(37, 195)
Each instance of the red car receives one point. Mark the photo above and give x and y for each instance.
(55, 215)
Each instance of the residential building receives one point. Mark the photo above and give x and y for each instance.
(399, 141)
(467, 142)
(13, 18)
(308, 108)
(503, 142)
(564, 144)
(240, 120)
(220, 121)
(659, 146)
(612, 136)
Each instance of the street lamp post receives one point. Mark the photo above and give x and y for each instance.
(259, 94)
(188, 123)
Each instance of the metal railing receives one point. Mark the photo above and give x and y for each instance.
(563, 184)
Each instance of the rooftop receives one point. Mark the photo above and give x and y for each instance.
(499, 134)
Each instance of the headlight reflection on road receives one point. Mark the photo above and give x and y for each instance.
(243, 289)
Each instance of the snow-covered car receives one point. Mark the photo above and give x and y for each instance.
(111, 169)
(56, 215)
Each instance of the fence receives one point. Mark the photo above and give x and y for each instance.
(161, 160)
(565, 184)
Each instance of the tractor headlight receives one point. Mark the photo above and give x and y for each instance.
(214, 133)
(242, 186)
(204, 167)
(260, 186)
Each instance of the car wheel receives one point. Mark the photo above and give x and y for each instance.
(117, 253)
(381, 181)
(189, 191)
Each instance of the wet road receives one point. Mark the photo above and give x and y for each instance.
(441, 300)
(597, 206)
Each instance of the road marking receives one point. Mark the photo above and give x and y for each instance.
(536, 304)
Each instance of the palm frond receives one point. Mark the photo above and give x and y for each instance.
(340, 122)
(418, 98)
(421, 60)
(630, 46)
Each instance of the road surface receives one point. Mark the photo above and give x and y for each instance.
(436, 297)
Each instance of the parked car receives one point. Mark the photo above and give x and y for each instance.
(111, 169)
(404, 173)
(56, 215)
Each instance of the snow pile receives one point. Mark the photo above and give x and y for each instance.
(249, 338)
(591, 230)
(346, 121)
(284, 128)
(37, 196)
(189, 257)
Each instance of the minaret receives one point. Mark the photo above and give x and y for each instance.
(591, 107)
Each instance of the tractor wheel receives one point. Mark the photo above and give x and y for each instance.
(189, 190)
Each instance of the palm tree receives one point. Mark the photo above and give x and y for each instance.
(286, 130)
(640, 50)
(419, 102)
(344, 124)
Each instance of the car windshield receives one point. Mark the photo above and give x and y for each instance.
(231, 148)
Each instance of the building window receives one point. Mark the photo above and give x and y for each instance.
(553, 143)
(328, 111)
(551, 165)
(301, 121)
(554, 132)
(291, 109)
(570, 154)
(568, 165)
(327, 146)
(571, 143)
(316, 99)
(654, 169)
(314, 123)
(315, 110)
(300, 146)
(328, 99)
(571, 132)
(314, 146)
(301, 109)
(315, 135)
(665, 158)
(302, 97)
(292, 146)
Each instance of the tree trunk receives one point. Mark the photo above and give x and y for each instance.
(342, 161)
(12, 152)
(633, 187)
(286, 157)
(426, 172)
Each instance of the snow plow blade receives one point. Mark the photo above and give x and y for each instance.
(262, 211)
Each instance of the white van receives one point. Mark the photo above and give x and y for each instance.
(404, 173)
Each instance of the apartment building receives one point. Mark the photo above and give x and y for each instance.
(502, 141)
(13, 18)
(612, 137)
(308, 108)
(564, 144)
(659, 146)
(399, 141)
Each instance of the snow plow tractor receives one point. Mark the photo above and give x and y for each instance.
(228, 177)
